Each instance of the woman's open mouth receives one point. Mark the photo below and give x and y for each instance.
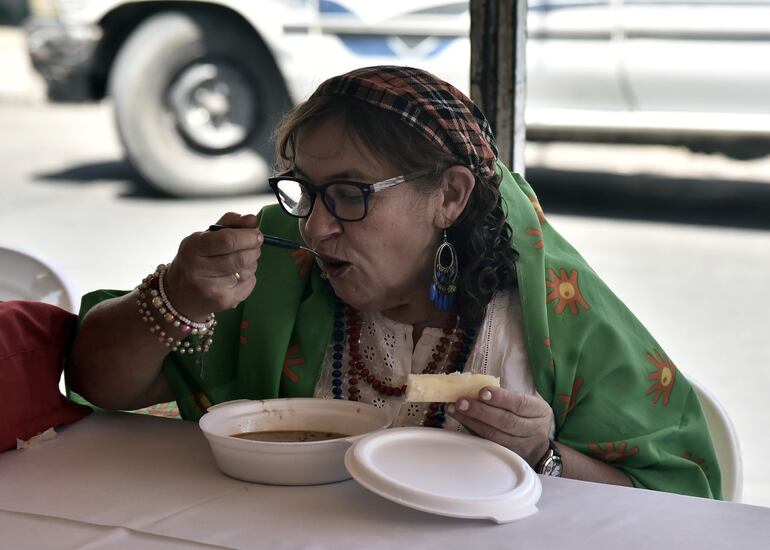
(333, 267)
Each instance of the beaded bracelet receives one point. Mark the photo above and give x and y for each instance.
(152, 293)
(171, 315)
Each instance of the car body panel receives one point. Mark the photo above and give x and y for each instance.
(698, 55)
(660, 70)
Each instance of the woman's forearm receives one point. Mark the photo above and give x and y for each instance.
(576, 465)
(115, 361)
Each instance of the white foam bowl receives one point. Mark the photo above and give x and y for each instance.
(290, 463)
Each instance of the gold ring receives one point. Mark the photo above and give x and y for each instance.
(237, 277)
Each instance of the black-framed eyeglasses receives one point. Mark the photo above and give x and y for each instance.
(346, 200)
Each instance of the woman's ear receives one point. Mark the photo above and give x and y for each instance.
(457, 183)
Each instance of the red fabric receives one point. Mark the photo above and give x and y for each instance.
(34, 340)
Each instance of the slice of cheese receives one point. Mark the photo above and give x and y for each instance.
(446, 388)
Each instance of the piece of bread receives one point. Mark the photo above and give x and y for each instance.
(446, 388)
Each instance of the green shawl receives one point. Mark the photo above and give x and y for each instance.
(615, 394)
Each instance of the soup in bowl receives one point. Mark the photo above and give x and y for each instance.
(293, 441)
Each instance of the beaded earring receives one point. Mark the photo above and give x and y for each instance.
(443, 287)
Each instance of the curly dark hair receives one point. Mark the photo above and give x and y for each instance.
(481, 235)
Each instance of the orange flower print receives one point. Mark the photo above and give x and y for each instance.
(552, 361)
(538, 208)
(566, 290)
(537, 233)
(304, 260)
(571, 399)
(664, 376)
(289, 362)
(699, 461)
(202, 401)
(244, 325)
(610, 453)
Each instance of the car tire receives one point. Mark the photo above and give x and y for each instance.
(170, 62)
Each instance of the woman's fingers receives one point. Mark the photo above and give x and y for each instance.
(518, 421)
(233, 219)
(215, 270)
(226, 241)
(502, 407)
(522, 404)
(501, 419)
(226, 264)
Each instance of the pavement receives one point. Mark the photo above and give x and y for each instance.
(18, 80)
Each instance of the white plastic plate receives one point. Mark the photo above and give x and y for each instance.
(25, 276)
(445, 473)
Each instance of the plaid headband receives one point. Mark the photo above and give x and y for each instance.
(436, 109)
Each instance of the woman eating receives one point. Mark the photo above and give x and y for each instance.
(429, 257)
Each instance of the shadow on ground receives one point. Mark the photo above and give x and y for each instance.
(105, 172)
(133, 185)
(596, 194)
(654, 198)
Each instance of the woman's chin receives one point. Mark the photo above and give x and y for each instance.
(351, 294)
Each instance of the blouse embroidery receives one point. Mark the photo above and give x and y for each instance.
(387, 347)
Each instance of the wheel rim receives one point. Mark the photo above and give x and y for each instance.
(214, 106)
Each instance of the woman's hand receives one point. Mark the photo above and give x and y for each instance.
(202, 278)
(517, 421)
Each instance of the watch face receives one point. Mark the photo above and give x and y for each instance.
(552, 467)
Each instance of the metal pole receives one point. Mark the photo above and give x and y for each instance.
(498, 72)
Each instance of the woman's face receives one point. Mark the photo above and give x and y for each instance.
(383, 262)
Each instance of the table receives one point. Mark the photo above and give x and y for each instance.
(117, 480)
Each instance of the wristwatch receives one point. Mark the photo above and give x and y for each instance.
(550, 464)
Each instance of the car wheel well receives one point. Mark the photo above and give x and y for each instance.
(119, 23)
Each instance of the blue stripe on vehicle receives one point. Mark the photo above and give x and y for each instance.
(327, 6)
(367, 45)
(705, 4)
(547, 6)
(379, 45)
(443, 43)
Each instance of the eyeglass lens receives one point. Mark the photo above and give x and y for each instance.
(346, 201)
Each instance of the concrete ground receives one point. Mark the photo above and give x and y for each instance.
(18, 82)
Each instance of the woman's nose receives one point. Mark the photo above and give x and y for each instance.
(320, 224)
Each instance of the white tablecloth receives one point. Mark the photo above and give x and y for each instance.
(128, 481)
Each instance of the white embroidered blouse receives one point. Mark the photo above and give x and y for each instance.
(390, 355)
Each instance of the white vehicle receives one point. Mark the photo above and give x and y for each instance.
(197, 86)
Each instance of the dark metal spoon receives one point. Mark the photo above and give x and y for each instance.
(275, 241)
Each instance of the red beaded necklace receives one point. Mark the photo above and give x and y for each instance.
(450, 355)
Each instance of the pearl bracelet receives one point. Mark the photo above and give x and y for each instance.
(171, 315)
(152, 293)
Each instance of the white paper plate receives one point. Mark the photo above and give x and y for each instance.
(27, 276)
(445, 473)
